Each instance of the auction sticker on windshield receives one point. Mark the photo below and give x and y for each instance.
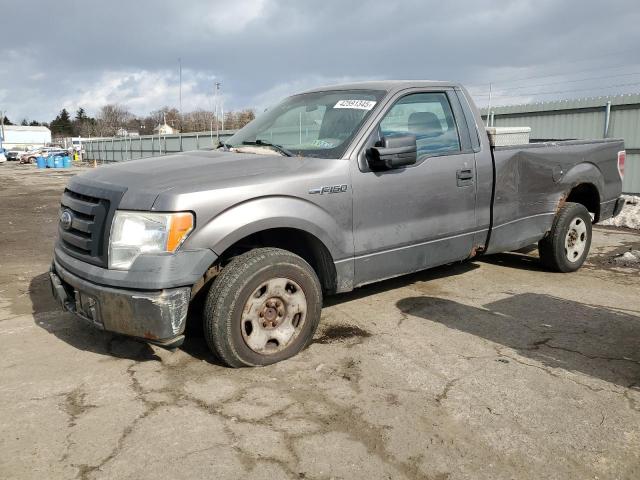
(357, 104)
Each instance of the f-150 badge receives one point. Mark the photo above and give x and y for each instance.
(329, 189)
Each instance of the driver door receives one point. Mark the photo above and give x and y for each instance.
(422, 215)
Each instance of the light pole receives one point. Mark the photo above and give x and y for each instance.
(1, 127)
(180, 90)
(2, 114)
(215, 112)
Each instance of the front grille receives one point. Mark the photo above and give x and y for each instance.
(85, 238)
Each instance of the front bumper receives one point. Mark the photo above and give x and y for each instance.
(156, 316)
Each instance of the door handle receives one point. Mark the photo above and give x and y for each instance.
(464, 177)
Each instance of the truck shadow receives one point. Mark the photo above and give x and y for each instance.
(48, 315)
(590, 339)
(517, 260)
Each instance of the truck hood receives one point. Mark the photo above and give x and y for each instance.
(145, 180)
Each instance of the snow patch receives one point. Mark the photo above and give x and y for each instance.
(629, 216)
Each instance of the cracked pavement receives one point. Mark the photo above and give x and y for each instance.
(489, 369)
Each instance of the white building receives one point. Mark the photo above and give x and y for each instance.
(19, 137)
(165, 130)
(123, 132)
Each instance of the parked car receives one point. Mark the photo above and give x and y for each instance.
(3, 157)
(31, 155)
(330, 190)
(13, 155)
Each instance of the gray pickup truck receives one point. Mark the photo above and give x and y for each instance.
(329, 190)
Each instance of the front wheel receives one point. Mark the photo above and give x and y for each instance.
(567, 244)
(264, 307)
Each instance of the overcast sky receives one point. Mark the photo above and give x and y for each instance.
(88, 53)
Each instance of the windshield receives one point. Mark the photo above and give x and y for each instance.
(319, 124)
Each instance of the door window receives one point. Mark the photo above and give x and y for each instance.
(428, 116)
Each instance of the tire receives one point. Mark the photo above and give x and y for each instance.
(264, 307)
(567, 244)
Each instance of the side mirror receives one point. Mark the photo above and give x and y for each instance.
(396, 151)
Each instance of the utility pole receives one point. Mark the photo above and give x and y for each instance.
(489, 107)
(180, 90)
(215, 113)
(1, 127)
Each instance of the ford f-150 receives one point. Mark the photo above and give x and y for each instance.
(327, 191)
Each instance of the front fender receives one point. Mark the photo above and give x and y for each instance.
(265, 213)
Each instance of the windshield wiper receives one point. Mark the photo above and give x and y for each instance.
(278, 148)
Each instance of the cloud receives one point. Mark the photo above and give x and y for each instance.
(281, 90)
(232, 17)
(127, 52)
(143, 91)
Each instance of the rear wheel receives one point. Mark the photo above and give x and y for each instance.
(567, 244)
(264, 307)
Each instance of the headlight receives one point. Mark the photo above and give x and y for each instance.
(134, 233)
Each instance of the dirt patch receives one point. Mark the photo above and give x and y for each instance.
(624, 257)
(340, 333)
(30, 202)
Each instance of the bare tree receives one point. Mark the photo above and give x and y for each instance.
(111, 118)
(88, 128)
(245, 116)
(235, 120)
(198, 121)
(172, 116)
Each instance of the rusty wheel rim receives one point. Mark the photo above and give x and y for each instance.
(575, 241)
(273, 316)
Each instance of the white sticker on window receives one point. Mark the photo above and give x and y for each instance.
(357, 104)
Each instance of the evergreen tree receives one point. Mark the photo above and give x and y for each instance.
(61, 125)
(81, 115)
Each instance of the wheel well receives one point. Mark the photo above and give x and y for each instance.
(302, 243)
(586, 194)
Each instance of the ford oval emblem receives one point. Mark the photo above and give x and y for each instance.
(66, 219)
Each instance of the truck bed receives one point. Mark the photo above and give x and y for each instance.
(531, 182)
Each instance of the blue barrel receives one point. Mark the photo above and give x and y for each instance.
(58, 162)
(49, 161)
(41, 162)
(66, 161)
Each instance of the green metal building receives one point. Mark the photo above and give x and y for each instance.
(600, 117)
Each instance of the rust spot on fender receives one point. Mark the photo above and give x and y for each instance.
(562, 201)
(150, 336)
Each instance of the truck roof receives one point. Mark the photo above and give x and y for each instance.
(388, 85)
